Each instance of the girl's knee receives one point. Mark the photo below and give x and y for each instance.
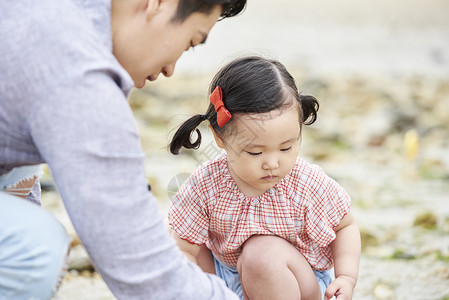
(262, 252)
(253, 252)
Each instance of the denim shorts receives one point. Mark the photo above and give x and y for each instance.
(232, 278)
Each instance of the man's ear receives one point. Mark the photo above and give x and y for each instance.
(217, 137)
(152, 8)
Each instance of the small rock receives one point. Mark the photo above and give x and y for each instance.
(426, 220)
(86, 273)
(403, 254)
(368, 239)
(79, 260)
(383, 291)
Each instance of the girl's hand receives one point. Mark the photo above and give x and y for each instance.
(342, 288)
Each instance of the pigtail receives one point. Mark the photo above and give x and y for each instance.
(310, 106)
(183, 135)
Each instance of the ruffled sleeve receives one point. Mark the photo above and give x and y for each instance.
(329, 203)
(187, 214)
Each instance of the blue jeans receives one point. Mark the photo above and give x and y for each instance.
(33, 245)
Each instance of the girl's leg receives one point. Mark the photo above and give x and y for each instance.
(271, 268)
(33, 250)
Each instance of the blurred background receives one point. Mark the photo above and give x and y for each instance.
(380, 70)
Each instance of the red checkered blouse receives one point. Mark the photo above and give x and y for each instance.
(303, 208)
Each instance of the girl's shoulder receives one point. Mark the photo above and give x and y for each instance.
(306, 176)
(303, 168)
(212, 172)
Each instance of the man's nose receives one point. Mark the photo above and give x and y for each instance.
(168, 71)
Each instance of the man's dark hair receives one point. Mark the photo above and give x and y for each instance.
(230, 8)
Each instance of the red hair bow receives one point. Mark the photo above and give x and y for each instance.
(223, 115)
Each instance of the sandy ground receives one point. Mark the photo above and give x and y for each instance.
(379, 68)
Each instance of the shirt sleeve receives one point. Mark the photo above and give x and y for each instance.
(329, 203)
(187, 214)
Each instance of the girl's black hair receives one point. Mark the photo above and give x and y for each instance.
(230, 8)
(250, 85)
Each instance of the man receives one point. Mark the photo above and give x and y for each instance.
(66, 68)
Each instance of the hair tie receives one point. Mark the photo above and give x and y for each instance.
(223, 115)
(204, 117)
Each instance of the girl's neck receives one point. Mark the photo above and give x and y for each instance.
(244, 187)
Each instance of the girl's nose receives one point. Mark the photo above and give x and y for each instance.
(271, 163)
(168, 71)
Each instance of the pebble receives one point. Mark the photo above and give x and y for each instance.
(384, 292)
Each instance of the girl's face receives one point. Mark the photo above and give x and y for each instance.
(262, 149)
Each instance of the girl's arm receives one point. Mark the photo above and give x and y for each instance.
(197, 254)
(346, 250)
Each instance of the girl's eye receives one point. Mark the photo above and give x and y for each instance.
(254, 153)
(286, 149)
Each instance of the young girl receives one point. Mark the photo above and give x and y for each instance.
(276, 225)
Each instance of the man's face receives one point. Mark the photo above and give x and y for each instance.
(151, 43)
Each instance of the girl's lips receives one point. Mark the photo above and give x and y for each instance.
(269, 177)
